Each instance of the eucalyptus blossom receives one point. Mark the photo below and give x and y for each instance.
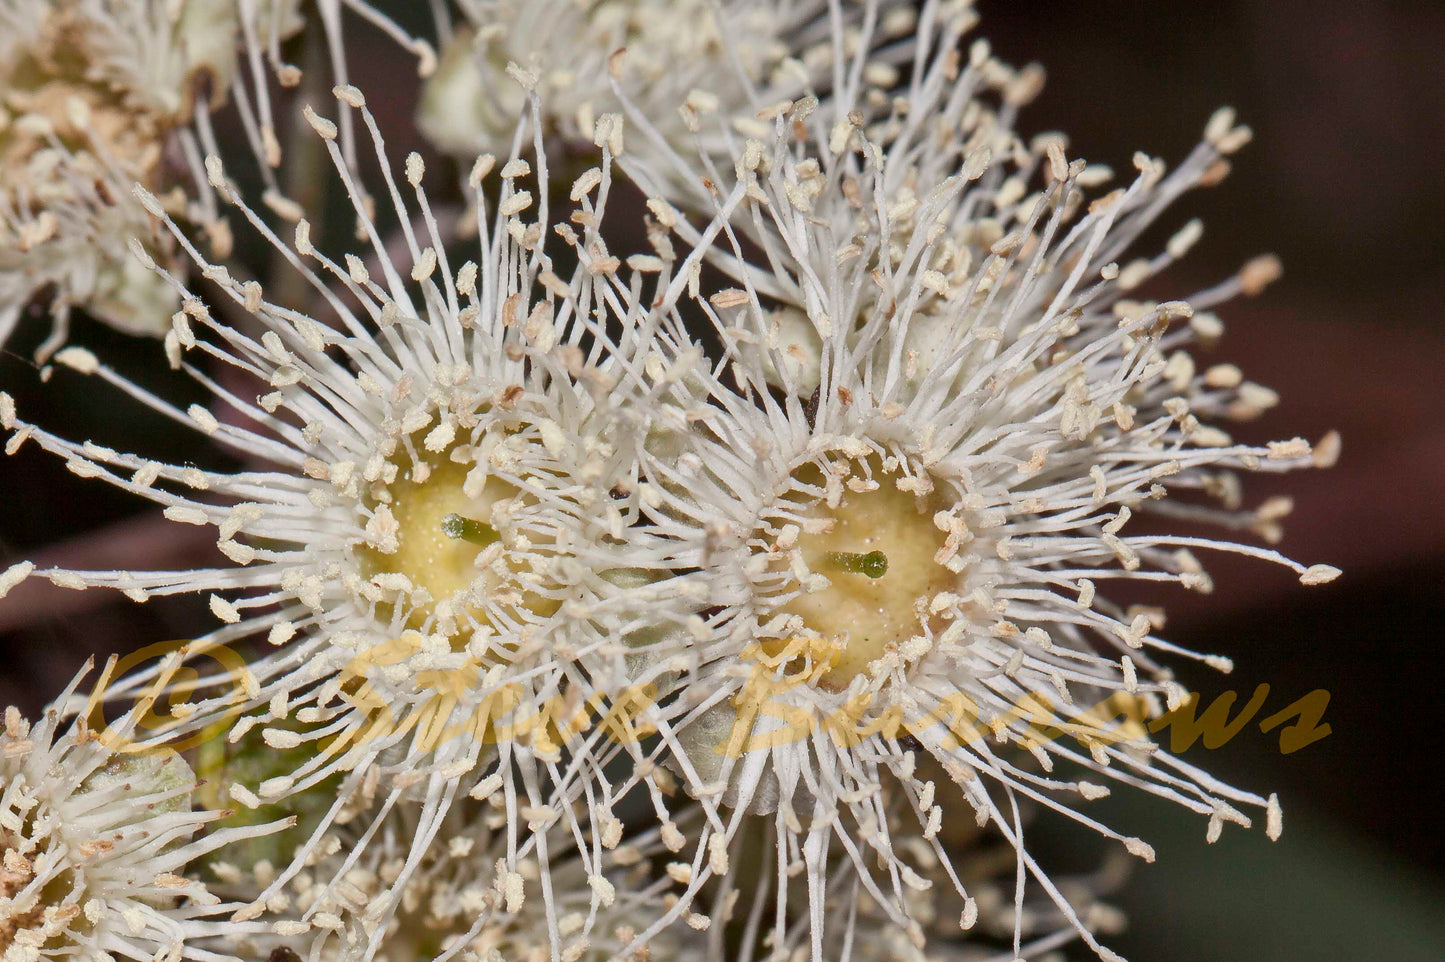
(901, 492)
(97, 95)
(100, 845)
(426, 559)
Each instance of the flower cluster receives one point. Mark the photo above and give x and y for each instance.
(97, 95)
(627, 536)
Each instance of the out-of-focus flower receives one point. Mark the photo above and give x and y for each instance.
(677, 60)
(98, 95)
(97, 844)
(90, 95)
(939, 410)
(470, 890)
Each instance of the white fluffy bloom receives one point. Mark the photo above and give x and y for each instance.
(837, 580)
(91, 93)
(429, 527)
(683, 61)
(471, 891)
(937, 413)
(97, 95)
(95, 844)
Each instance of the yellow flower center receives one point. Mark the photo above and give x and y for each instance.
(450, 551)
(877, 552)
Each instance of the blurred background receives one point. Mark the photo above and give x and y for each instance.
(1343, 182)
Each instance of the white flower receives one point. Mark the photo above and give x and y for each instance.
(97, 95)
(430, 527)
(91, 93)
(470, 888)
(938, 413)
(95, 844)
(146, 54)
(813, 579)
(681, 61)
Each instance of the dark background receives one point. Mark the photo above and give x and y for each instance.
(1343, 182)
